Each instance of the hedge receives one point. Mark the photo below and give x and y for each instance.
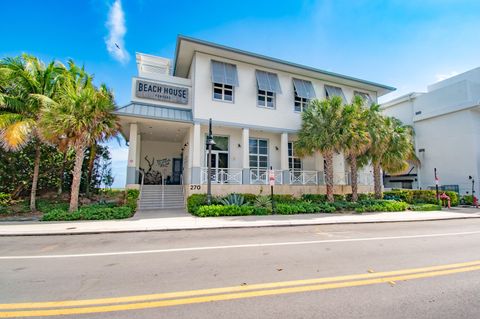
(229, 210)
(92, 212)
(303, 208)
(416, 196)
(425, 207)
(131, 198)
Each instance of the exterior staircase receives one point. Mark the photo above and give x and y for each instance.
(161, 197)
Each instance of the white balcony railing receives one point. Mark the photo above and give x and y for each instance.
(304, 177)
(260, 176)
(222, 175)
(364, 179)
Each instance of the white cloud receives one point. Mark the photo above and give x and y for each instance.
(441, 77)
(116, 32)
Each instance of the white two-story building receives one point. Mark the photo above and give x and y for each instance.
(255, 103)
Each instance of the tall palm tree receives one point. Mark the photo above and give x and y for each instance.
(322, 131)
(392, 145)
(356, 138)
(83, 115)
(27, 85)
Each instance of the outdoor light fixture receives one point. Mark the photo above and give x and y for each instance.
(239, 145)
(421, 150)
(276, 148)
(210, 143)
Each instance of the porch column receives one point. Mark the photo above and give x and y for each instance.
(245, 156)
(139, 150)
(284, 158)
(132, 155)
(197, 151)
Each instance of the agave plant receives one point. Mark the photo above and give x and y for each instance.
(263, 201)
(233, 199)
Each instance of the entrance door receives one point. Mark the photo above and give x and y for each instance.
(219, 162)
(176, 171)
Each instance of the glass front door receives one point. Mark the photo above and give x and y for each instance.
(219, 162)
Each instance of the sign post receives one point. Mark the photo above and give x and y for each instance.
(271, 180)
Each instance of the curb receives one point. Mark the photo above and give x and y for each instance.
(96, 232)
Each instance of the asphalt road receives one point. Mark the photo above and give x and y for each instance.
(172, 274)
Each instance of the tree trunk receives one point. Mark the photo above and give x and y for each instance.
(77, 175)
(36, 170)
(377, 179)
(329, 175)
(353, 177)
(62, 174)
(91, 161)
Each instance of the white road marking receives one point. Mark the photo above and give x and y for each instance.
(172, 250)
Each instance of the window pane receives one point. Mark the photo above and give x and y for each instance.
(262, 143)
(252, 142)
(229, 87)
(269, 93)
(221, 143)
(217, 96)
(228, 96)
(262, 150)
(298, 108)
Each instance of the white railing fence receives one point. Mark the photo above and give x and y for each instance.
(222, 175)
(303, 177)
(260, 176)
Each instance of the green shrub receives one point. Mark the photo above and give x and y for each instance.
(195, 201)
(381, 206)
(46, 205)
(303, 208)
(425, 207)
(131, 198)
(419, 196)
(338, 197)
(283, 198)
(467, 199)
(233, 199)
(361, 196)
(225, 210)
(249, 198)
(92, 212)
(5, 199)
(318, 198)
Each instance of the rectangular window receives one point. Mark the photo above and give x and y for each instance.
(331, 91)
(266, 99)
(258, 150)
(294, 162)
(222, 92)
(365, 96)
(300, 103)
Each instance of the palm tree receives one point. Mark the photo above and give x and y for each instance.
(83, 115)
(392, 145)
(26, 86)
(322, 131)
(356, 138)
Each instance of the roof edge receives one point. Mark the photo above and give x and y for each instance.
(260, 56)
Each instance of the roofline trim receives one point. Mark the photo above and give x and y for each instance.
(260, 56)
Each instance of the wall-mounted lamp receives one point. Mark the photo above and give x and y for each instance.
(185, 145)
(276, 148)
(421, 150)
(239, 145)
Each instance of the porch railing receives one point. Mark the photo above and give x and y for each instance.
(222, 175)
(304, 177)
(260, 176)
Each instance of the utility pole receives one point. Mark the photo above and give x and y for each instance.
(210, 143)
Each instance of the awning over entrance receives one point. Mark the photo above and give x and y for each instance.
(155, 112)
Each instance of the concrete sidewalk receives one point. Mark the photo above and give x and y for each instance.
(183, 221)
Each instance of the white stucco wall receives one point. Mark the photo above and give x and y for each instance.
(159, 150)
(244, 109)
(450, 146)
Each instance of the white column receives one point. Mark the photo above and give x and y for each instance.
(139, 150)
(197, 152)
(132, 155)
(284, 158)
(245, 156)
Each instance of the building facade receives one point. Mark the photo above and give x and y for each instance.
(255, 103)
(446, 120)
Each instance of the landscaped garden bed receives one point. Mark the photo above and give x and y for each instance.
(107, 205)
(251, 204)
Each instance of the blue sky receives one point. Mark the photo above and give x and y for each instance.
(405, 44)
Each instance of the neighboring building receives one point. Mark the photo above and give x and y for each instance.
(255, 103)
(446, 120)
